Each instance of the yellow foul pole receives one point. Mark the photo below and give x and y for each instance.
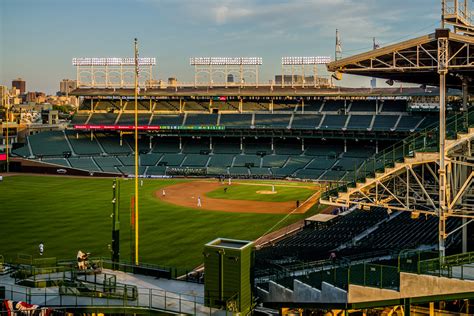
(7, 134)
(136, 152)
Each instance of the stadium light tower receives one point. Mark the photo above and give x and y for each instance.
(216, 67)
(296, 68)
(111, 72)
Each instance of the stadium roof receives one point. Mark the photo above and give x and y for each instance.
(414, 60)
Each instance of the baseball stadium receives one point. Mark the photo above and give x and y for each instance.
(228, 196)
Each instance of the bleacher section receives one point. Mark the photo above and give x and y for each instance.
(83, 163)
(201, 119)
(292, 141)
(236, 120)
(171, 120)
(394, 106)
(315, 242)
(108, 164)
(195, 160)
(332, 122)
(165, 145)
(272, 121)
(50, 143)
(82, 144)
(385, 122)
(408, 123)
(405, 232)
(334, 106)
(103, 119)
(306, 121)
(112, 145)
(363, 106)
(128, 119)
(359, 122)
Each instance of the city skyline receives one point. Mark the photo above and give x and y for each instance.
(48, 34)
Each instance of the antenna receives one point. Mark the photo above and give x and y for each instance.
(338, 53)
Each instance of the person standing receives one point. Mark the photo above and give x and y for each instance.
(163, 193)
(41, 248)
(199, 201)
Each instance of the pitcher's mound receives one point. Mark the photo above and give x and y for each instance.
(266, 192)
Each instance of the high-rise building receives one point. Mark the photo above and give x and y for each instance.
(67, 85)
(20, 84)
(3, 96)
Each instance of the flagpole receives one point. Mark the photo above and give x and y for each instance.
(136, 152)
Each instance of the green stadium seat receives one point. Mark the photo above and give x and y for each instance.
(82, 143)
(221, 160)
(83, 163)
(50, 143)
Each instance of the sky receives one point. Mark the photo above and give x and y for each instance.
(38, 38)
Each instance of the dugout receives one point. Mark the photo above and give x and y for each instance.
(228, 281)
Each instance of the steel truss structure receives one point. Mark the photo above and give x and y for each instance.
(423, 181)
(209, 71)
(303, 71)
(113, 72)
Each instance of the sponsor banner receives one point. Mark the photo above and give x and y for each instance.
(148, 127)
(3, 157)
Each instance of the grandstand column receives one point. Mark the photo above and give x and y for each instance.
(302, 105)
(241, 74)
(225, 75)
(256, 75)
(181, 107)
(150, 144)
(210, 143)
(302, 70)
(180, 143)
(106, 76)
(465, 92)
(241, 101)
(315, 75)
(443, 60)
(271, 105)
(302, 144)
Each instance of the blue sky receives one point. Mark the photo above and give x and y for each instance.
(38, 38)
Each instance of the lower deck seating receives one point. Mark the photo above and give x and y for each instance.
(82, 143)
(50, 143)
(83, 163)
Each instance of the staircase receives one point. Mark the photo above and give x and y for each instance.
(420, 148)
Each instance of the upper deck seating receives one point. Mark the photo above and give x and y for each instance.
(359, 122)
(236, 120)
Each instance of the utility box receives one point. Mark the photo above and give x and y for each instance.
(228, 280)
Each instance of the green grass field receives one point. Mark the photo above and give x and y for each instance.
(69, 214)
(249, 192)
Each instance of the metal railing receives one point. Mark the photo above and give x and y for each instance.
(341, 276)
(426, 140)
(460, 266)
(146, 298)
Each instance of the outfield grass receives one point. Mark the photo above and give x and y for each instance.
(69, 214)
(249, 192)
